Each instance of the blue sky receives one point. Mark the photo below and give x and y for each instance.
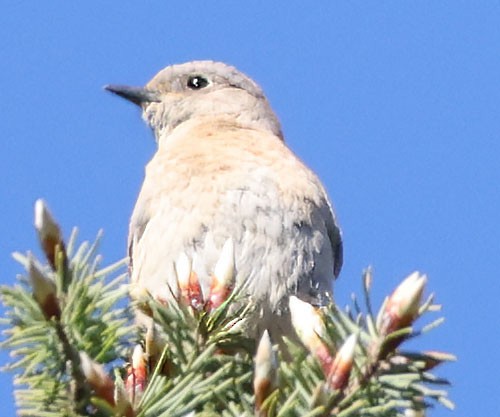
(394, 104)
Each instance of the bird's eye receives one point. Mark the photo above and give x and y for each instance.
(197, 82)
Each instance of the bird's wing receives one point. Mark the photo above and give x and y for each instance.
(335, 236)
(136, 230)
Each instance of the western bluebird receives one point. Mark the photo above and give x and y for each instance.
(222, 170)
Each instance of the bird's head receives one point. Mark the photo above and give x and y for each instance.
(200, 89)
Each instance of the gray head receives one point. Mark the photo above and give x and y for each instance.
(200, 89)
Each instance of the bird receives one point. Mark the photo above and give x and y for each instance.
(222, 170)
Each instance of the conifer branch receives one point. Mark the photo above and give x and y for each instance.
(77, 352)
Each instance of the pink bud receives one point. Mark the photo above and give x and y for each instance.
(342, 364)
(402, 306)
(223, 277)
(187, 280)
(48, 231)
(98, 379)
(310, 328)
(136, 380)
(265, 376)
(44, 291)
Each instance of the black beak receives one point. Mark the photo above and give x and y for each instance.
(137, 95)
